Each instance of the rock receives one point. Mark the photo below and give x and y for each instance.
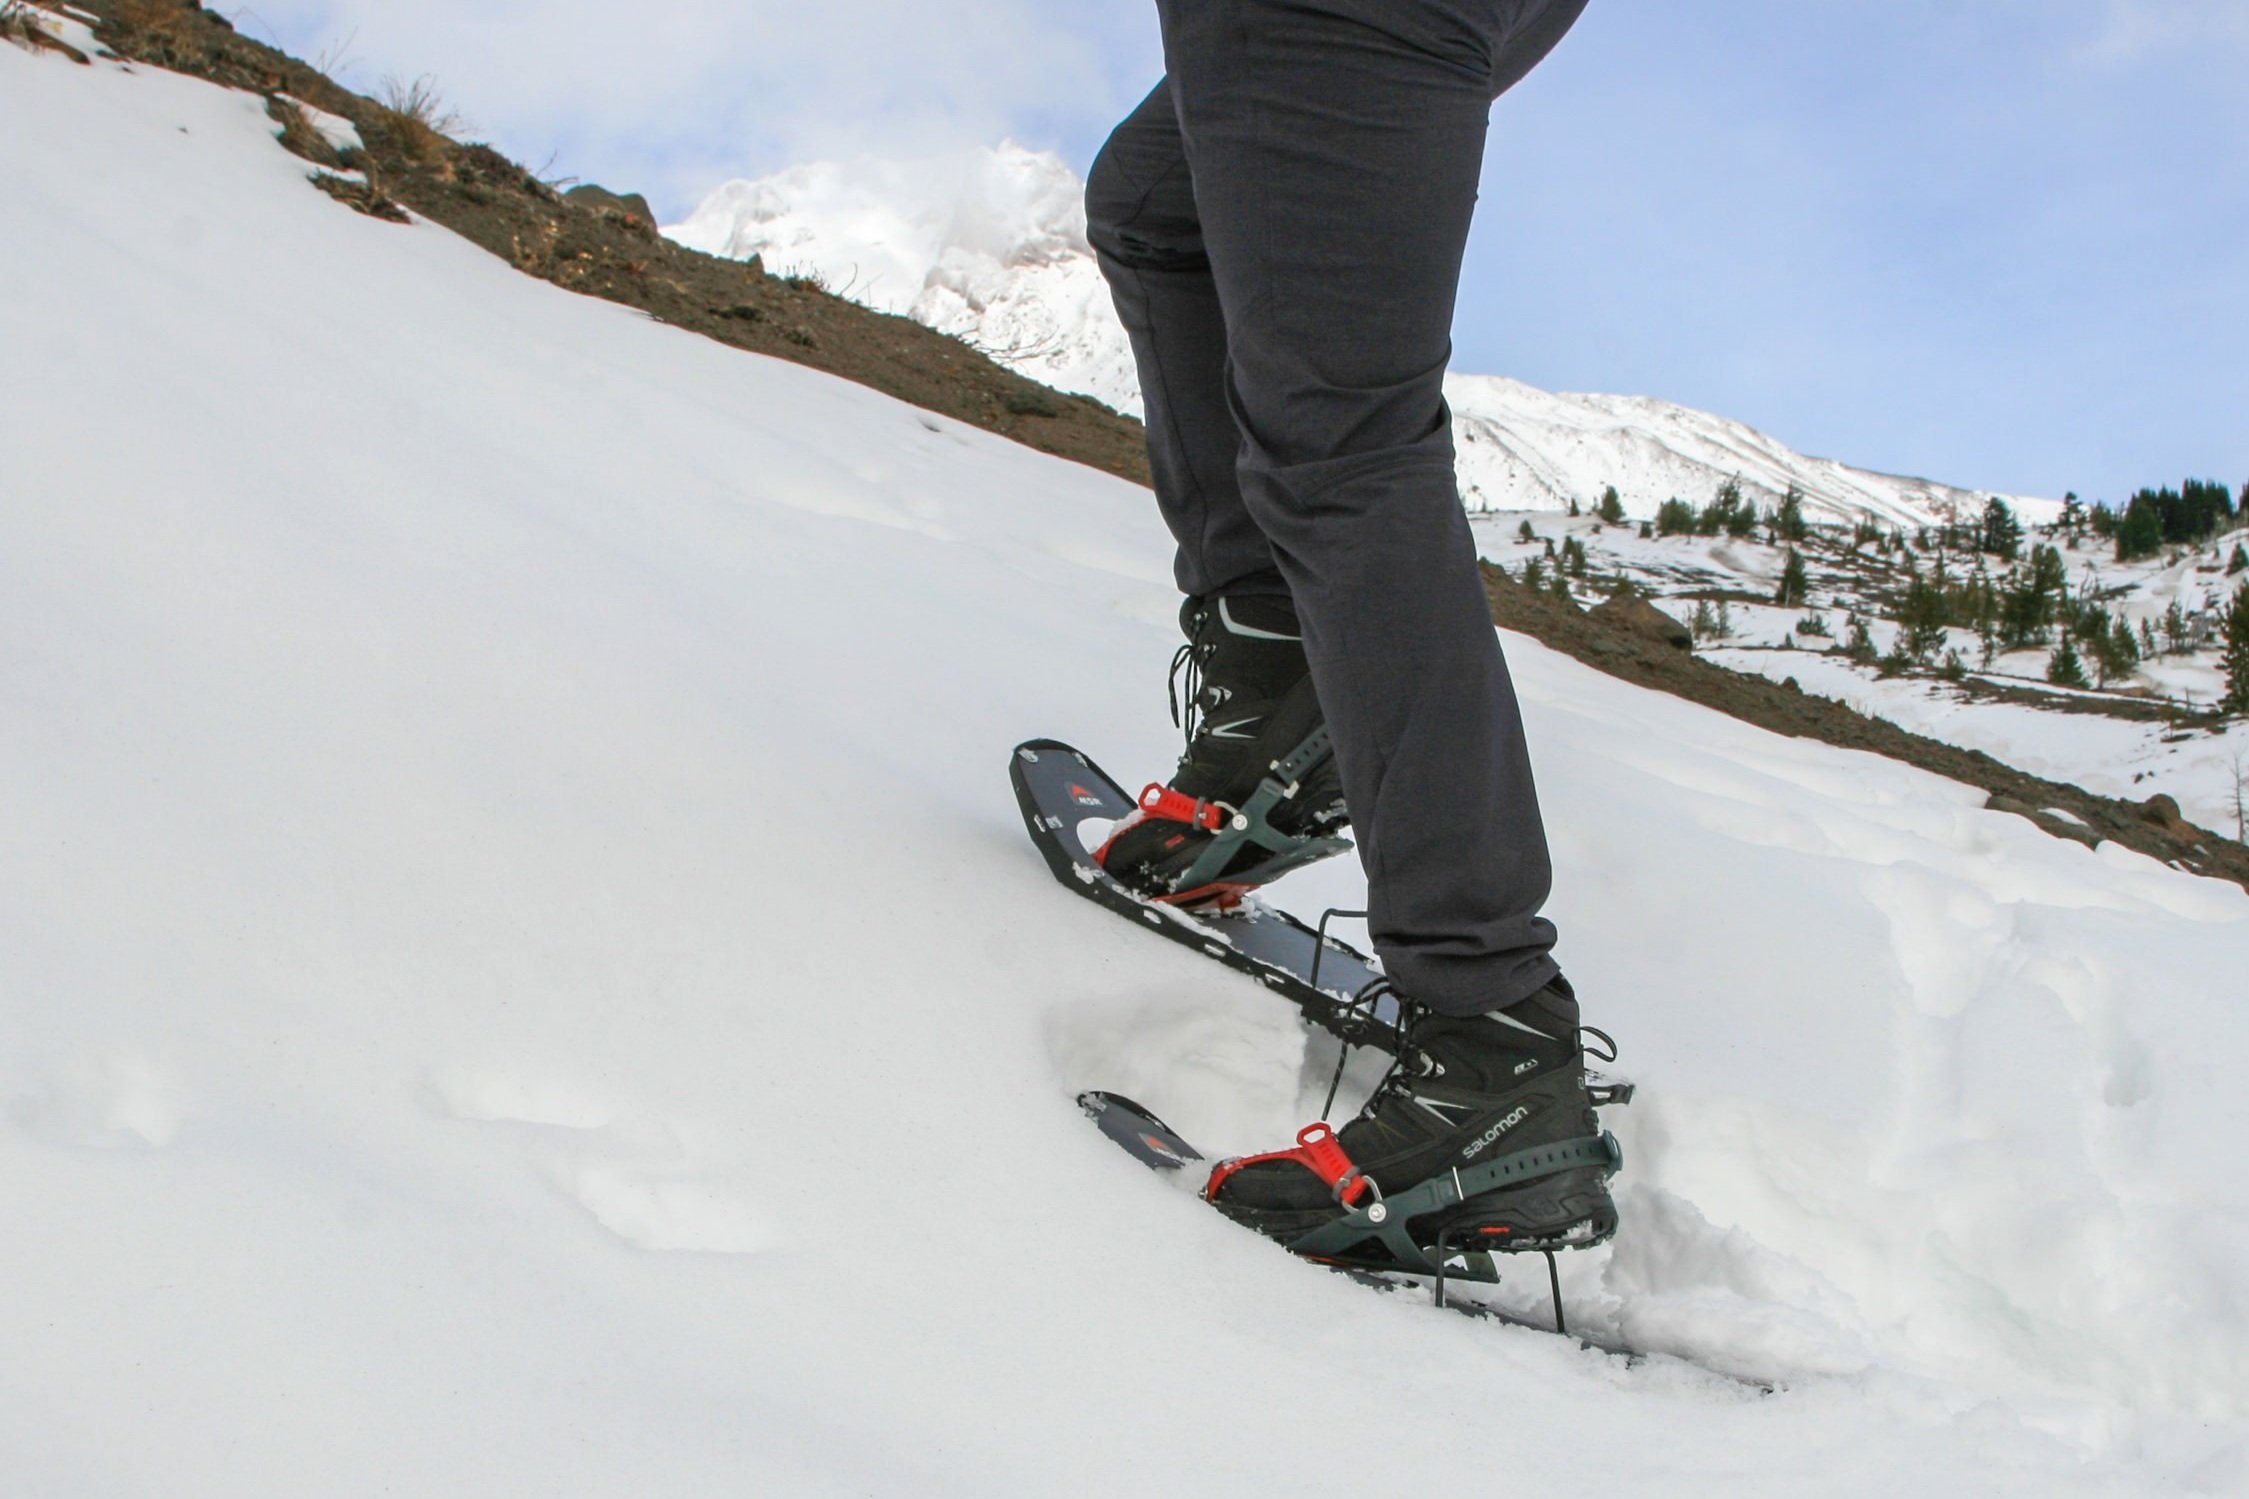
(1644, 619)
(2162, 811)
(601, 199)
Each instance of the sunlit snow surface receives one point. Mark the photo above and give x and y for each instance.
(520, 974)
(991, 247)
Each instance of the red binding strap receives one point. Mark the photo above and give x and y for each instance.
(1177, 806)
(1318, 1151)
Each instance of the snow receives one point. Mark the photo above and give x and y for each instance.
(341, 134)
(2112, 756)
(2108, 756)
(991, 247)
(522, 975)
(988, 247)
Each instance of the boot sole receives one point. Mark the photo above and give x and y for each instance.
(1568, 1210)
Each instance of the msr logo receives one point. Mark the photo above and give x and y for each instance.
(1083, 797)
(1501, 1126)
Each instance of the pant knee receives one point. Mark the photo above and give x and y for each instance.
(1140, 212)
(1107, 199)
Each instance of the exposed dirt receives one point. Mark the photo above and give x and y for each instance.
(599, 246)
(617, 255)
(2107, 705)
(2153, 828)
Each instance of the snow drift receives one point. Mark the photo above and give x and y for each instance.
(519, 973)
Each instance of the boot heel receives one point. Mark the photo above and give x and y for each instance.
(1570, 1209)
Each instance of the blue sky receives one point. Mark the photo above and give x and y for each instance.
(2002, 243)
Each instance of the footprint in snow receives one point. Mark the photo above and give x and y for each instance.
(638, 1175)
(109, 1103)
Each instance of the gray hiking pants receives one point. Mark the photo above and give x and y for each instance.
(1281, 224)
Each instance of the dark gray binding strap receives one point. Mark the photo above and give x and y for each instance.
(1386, 1218)
(1250, 823)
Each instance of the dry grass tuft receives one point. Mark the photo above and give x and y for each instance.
(19, 23)
(162, 23)
(419, 116)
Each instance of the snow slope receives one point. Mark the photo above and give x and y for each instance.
(2112, 756)
(2108, 756)
(519, 972)
(991, 248)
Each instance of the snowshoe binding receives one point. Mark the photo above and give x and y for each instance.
(1481, 1141)
(1256, 793)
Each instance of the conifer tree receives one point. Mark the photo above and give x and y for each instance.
(2140, 534)
(2175, 633)
(1727, 512)
(1858, 640)
(1612, 506)
(1675, 517)
(1788, 521)
(1534, 573)
(2235, 656)
(2002, 533)
(2114, 650)
(1704, 625)
(2239, 562)
(1921, 618)
(1524, 532)
(2063, 668)
(1795, 582)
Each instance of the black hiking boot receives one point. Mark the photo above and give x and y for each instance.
(1257, 792)
(1485, 1091)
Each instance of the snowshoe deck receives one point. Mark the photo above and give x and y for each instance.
(1158, 1146)
(1338, 987)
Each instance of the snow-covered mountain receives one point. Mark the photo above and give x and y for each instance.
(520, 973)
(991, 247)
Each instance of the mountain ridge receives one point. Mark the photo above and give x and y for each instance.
(990, 247)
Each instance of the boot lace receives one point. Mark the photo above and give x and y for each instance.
(1422, 1064)
(1185, 659)
(1407, 1013)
